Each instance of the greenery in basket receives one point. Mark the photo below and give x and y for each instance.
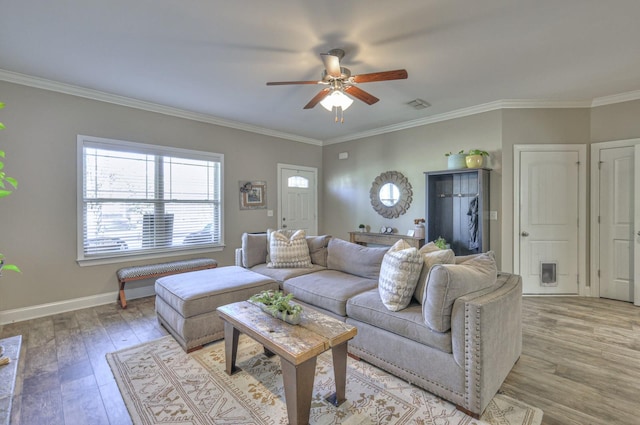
(440, 242)
(276, 301)
(6, 184)
(478, 152)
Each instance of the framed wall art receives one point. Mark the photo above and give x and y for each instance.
(253, 195)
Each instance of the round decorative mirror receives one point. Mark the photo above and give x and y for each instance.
(391, 194)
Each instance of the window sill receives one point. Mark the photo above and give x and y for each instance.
(128, 258)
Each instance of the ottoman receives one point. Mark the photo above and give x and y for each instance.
(186, 303)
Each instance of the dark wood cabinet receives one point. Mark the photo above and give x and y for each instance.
(458, 209)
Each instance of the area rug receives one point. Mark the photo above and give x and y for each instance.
(162, 384)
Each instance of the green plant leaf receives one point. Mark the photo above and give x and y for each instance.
(2, 126)
(4, 193)
(13, 182)
(11, 267)
(1, 105)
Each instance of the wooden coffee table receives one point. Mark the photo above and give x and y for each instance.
(298, 347)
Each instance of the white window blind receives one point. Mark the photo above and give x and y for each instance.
(141, 199)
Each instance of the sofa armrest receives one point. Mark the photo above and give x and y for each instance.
(486, 336)
(239, 257)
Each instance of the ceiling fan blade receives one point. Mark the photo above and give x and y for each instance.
(282, 83)
(362, 95)
(317, 98)
(398, 74)
(331, 64)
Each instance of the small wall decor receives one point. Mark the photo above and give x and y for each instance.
(253, 195)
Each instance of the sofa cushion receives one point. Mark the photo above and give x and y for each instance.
(280, 275)
(354, 259)
(399, 272)
(254, 249)
(447, 282)
(367, 307)
(431, 255)
(289, 252)
(328, 289)
(318, 249)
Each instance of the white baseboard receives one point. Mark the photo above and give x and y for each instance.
(42, 310)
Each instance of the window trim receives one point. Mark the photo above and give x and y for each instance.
(91, 141)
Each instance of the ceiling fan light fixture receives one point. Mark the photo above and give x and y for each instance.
(336, 99)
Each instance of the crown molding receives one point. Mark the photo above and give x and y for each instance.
(616, 98)
(41, 83)
(460, 113)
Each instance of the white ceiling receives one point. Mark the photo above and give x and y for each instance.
(214, 57)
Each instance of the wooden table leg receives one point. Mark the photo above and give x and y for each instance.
(231, 336)
(298, 389)
(121, 297)
(339, 353)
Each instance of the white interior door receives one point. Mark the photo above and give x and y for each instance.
(636, 231)
(616, 218)
(548, 239)
(298, 198)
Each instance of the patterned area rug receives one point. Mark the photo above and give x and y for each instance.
(162, 384)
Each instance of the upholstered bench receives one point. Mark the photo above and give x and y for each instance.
(150, 271)
(186, 303)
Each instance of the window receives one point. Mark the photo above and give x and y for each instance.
(298, 181)
(143, 200)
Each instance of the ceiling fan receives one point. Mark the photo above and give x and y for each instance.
(340, 81)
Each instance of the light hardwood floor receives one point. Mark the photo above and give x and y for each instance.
(580, 362)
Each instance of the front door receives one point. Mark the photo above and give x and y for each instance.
(547, 219)
(298, 198)
(616, 222)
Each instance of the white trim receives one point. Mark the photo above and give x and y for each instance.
(41, 83)
(315, 189)
(594, 209)
(616, 98)
(583, 280)
(460, 113)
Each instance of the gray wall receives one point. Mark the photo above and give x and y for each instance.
(619, 121)
(38, 221)
(411, 152)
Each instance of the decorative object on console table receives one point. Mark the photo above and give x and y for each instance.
(383, 239)
(253, 195)
(475, 158)
(418, 232)
(362, 227)
(456, 160)
(457, 204)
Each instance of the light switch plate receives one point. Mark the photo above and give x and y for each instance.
(493, 215)
(269, 213)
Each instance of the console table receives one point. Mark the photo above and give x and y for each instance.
(364, 238)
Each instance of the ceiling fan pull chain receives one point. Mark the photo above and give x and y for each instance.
(336, 114)
(341, 116)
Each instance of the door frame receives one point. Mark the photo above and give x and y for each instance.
(313, 170)
(595, 208)
(583, 278)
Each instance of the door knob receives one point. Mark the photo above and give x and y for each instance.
(638, 233)
(525, 234)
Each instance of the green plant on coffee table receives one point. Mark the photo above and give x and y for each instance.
(440, 242)
(276, 302)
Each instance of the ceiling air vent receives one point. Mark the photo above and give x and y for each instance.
(419, 104)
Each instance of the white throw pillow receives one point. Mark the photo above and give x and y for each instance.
(399, 273)
(431, 255)
(289, 252)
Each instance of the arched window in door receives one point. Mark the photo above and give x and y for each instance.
(298, 181)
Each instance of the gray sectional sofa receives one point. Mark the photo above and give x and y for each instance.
(458, 338)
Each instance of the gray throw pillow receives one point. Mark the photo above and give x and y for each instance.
(431, 255)
(448, 282)
(254, 249)
(318, 249)
(354, 259)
